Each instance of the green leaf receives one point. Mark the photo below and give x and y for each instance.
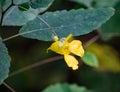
(85, 2)
(75, 88)
(65, 88)
(78, 22)
(20, 1)
(90, 59)
(16, 17)
(40, 3)
(24, 6)
(7, 3)
(4, 62)
(2, 2)
(105, 3)
(109, 59)
(112, 27)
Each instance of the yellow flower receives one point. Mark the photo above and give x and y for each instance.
(68, 47)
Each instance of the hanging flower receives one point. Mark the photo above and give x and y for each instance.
(68, 47)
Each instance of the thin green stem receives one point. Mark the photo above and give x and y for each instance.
(16, 35)
(92, 40)
(31, 66)
(11, 37)
(9, 87)
(52, 30)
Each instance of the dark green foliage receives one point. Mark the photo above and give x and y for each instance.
(112, 27)
(24, 6)
(90, 59)
(65, 88)
(2, 2)
(4, 62)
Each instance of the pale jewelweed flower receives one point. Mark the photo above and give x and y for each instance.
(68, 47)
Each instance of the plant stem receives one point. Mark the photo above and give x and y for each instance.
(11, 37)
(16, 35)
(28, 67)
(92, 40)
(10, 88)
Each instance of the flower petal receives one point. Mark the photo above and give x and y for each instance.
(71, 61)
(76, 48)
(68, 37)
(59, 49)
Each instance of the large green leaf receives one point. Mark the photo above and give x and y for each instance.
(90, 59)
(85, 2)
(4, 62)
(112, 27)
(65, 88)
(40, 3)
(105, 3)
(78, 22)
